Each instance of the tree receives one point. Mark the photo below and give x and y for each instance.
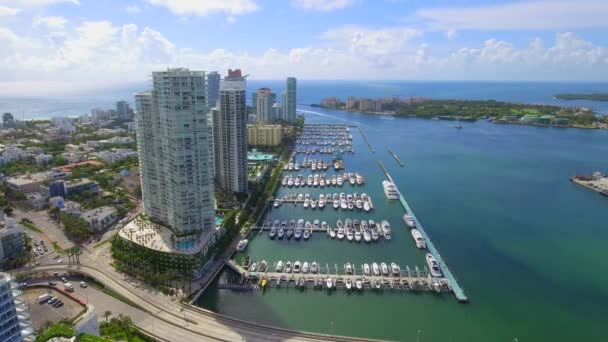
(8, 211)
(107, 315)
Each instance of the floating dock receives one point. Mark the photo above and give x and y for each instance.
(366, 141)
(455, 287)
(395, 157)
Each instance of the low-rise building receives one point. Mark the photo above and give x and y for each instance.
(264, 135)
(26, 183)
(81, 185)
(65, 206)
(43, 158)
(36, 200)
(100, 218)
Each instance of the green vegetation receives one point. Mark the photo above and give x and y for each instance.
(590, 97)
(29, 225)
(119, 328)
(75, 228)
(49, 330)
(56, 247)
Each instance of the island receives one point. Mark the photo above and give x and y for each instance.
(588, 97)
(472, 110)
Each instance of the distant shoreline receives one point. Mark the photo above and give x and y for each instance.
(600, 97)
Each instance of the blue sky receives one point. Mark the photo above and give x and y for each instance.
(56, 46)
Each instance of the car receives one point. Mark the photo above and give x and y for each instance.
(57, 304)
(52, 300)
(60, 304)
(52, 283)
(36, 244)
(57, 257)
(37, 263)
(64, 279)
(89, 242)
(56, 273)
(83, 284)
(59, 261)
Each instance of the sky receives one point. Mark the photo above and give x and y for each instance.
(52, 47)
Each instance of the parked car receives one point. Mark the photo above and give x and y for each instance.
(52, 283)
(64, 280)
(83, 284)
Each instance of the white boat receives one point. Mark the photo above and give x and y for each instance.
(343, 204)
(289, 233)
(358, 236)
(336, 204)
(359, 204)
(262, 266)
(279, 266)
(290, 182)
(340, 234)
(287, 268)
(281, 233)
(339, 224)
(348, 268)
(389, 190)
(377, 284)
(352, 180)
(329, 282)
(253, 267)
(300, 197)
(386, 229)
(409, 221)
(314, 267)
(298, 233)
(339, 181)
(297, 267)
(366, 206)
(242, 245)
(273, 232)
(305, 267)
(395, 269)
(332, 233)
(306, 234)
(359, 179)
(321, 204)
(366, 270)
(367, 236)
(359, 284)
(350, 235)
(420, 243)
(324, 225)
(375, 234)
(376, 269)
(313, 204)
(384, 268)
(284, 181)
(306, 203)
(349, 284)
(351, 206)
(277, 203)
(433, 265)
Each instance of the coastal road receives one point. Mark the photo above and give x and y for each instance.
(183, 321)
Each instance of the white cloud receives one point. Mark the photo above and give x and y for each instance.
(133, 9)
(52, 23)
(207, 7)
(374, 42)
(532, 15)
(451, 34)
(321, 5)
(6, 11)
(36, 3)
(7, 35)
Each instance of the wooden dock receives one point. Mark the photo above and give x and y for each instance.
(366, 141)
(395, 157)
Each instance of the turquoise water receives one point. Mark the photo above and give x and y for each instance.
(219, 220)
(527, 245)
(259, 156)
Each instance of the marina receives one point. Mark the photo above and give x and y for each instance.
(341, 201)
(322, 180)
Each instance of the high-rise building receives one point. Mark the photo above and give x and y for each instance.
(8, 121)
(263, 106)
(230, 134)
(123, 111)
(175, 154)
(15, 323)
(289, 100)
(213, 88)
(264, 135)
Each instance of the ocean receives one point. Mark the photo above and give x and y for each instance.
(309, 92)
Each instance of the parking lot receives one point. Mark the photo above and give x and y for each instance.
(41, 313)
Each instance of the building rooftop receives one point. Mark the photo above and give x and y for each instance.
(98, 212)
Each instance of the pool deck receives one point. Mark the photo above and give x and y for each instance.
(456, 289)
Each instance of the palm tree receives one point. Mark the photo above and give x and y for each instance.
(107, 315)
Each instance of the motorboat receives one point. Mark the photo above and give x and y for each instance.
(314, 267)
(242, 245)
(349, 284)
(284, 181)
(313, 204)
(364, 224)
(340, 234)
(289, 233)
(273, 232)
(409, 221)
(350, 235)
(375, 269)
(284, 224)
(375, 234)
(351, 206)
(279, 266)
(253, 267)
(332, 233)
(290, 182)
(324, 225)
(300, 197)
(359, 204)
(306, 234)
(246, 262)
(329, 282)
(367, 236)
(366, 206)
(348, 268)
(305, 267)
(395, 269)
(292, 224)
(377, 284)
(420, 243)
(433, 265)
(372, 224)
(288, 267)
(297, 267)
(359, 179)
(356, 224)
(357, 235)
(339, 224)
(390, 190)
(359, 284)
(366, 270)
(384, 268)
(386, 229)
(262, 266)
(298, 233)
(339, 181)
(306, 203)
(336, 204)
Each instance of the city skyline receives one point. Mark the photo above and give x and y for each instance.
(67, 42)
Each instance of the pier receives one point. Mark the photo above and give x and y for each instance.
(366, 141)
(395, 157)
(455, 287)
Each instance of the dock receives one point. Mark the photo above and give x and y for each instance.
(366, 141)
(455, 287)
(395, 157)
(408, 279)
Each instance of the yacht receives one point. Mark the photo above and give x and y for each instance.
(340, 233)
(349, 283)
(281, 233)
(329, 282)
(279, 266)
(289, 233)
(306, 234)
(324, 225)
(389, 190)
(287, 268)
(359, 284)
(332, 233)
(384, 268)
(358, 236)
(433, 265)
(350, 235)
(366, 206)
(375, 234)
(284, 181)
(339, 181)
(420, 243)
(376, 269)
(242, 245)
(277, 203)
(359, 179)
(366, 270)
(290, 182)
(253, 267)
(314, 267)
(297, 267)
(262, 266)
(273, 232)
(386, 229)
(298, 233)
(367, 236)
(336, 204)
(305, 267)
(313, 204)
(409, 221)
(395, 269)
